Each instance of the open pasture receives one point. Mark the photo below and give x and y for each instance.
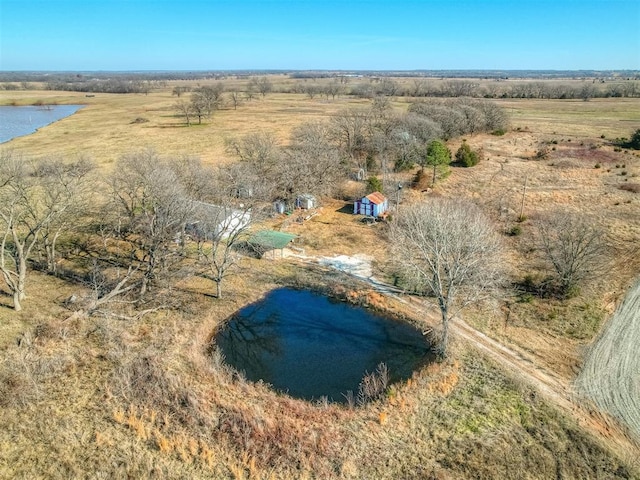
(145, 398)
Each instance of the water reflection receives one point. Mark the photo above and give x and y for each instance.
(310, 346)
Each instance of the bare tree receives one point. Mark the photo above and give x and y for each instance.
(459, 88)
(206, 99)
(311, 163)
(418, 87)
(350, 131)
(236, 99)
(19, 228)
(451, 121)
(332, 89)
(197, 180)
(311, 89)
(185, 109)
(152, 208)
(178, 91)
(411, 137)
(221, 227)
(447, 249)
(66, 192)
(461, 115)
(258, 150)
(387, 87)
(250, 91)
(29, 205)
(262, 85)
(574, 247)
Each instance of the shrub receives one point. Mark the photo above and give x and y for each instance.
(634, 143)
(466, 157)
(499, 132)
(542, 153)
(374, 184)
(597, 165)
(403, 163)
(515, 231)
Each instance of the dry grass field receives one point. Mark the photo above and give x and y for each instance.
(145, 398)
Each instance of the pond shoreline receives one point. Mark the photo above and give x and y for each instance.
(21, 120)
(312, 346)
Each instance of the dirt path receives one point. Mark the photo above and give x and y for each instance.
(552, 387)
(610, 376)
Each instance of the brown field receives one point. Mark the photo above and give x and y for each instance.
(107, 398)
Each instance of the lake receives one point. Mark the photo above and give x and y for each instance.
(19, 121)
(311, 346)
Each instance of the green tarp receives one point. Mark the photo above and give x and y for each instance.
(270, 239)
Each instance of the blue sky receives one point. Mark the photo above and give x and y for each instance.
(319, 34)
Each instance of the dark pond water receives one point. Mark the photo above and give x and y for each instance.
(19, 121)
(310, 346)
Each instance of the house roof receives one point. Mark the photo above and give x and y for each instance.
(209, 212)
(377, 198)
(270, 239)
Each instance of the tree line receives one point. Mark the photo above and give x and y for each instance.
(330, 86)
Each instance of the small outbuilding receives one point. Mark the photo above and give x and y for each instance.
(375, 204)
(266, 240)
(306, 201)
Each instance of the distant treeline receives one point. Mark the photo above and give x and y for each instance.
(420, 87)
(486, 84)
(111, 85)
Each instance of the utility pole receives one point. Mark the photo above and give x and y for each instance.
(524, 192)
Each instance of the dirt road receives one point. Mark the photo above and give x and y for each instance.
(610, 376)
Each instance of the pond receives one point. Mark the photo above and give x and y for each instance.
(311, 346)
(19, 121)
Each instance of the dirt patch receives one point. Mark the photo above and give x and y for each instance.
(358, 265)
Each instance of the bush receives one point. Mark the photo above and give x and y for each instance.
(515, 231)
(402, 164)
(466, 157)
(374, 184)
(634, 143)
(499, 132)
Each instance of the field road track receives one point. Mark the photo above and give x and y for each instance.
(610, 376)
(555, 389)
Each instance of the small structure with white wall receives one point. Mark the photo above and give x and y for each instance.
(210, 221)
(306, 201)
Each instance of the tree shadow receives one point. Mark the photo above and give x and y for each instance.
(6, 300)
